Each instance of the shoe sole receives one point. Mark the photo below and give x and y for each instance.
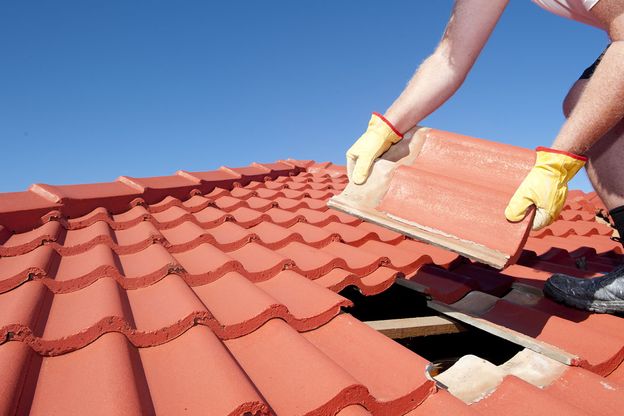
(615, 306)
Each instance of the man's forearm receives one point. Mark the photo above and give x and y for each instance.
(600, 107)
(435, 81)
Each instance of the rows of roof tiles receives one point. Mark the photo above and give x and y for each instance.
(226, 270)
(262, 372)
(24, 210)
(255, 290)
(209, 264)
(205, 263)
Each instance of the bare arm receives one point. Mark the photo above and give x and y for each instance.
(601, 105)
(440, 75)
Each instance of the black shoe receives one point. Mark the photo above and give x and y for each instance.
(604, 294)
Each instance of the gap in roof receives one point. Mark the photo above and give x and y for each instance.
(443, 349)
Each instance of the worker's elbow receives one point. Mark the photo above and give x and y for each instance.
(454, 71)
(456, 76)
(459, 77)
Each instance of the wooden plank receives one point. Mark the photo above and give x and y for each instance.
(420, 288)
(416, 327)
(502, 332)
(474, 252)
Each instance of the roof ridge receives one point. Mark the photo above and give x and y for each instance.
(22, 211)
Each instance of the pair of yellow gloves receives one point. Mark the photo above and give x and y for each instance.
(546, 185)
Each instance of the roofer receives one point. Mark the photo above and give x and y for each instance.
(592, 135)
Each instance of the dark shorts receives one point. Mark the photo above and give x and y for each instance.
(590, 70)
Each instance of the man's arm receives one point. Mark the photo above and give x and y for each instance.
(601, 105)
(441, 75)
(599, 109)
(437, 79)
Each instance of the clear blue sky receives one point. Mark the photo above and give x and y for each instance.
(90, 90)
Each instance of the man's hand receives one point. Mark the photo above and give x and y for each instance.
(546, 187)
(378, 138)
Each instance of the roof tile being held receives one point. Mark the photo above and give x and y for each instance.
(447, 190)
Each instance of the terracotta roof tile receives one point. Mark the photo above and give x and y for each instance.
(405, 260)
(159, 187)
(281, 217)
(22, 243)
(23, 210)
(207, 217)
(274, 236)
(77, 199)
(300, 362)
(358, 261)
(354, 410)
(221, 178)
(196, 374)
(309, 261)
(602, 357)
(170, 216)
(617, 375)
(195, 203)
(230, 236)
(589, 392)
(563, 228)
(18, 269)
(375, 362)
(441, 284)
(439, 256)
(98, 379)
(383, 234)
(511, 398)
(206, 263)
(463, 200)
(259, 262)
(443, 403)
(314, 236)
(373, 283)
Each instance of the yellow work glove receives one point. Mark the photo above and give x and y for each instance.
(378, 138)
(546, 187)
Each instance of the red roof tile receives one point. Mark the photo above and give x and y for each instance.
(215, 292)
(464, 201)
(443, 404)
(512, 398)
(602, 356)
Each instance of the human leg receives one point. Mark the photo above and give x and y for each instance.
(606, 172)
(605, 165)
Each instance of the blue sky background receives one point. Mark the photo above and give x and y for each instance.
(90, 90)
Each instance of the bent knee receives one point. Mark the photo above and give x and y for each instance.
(569, 102)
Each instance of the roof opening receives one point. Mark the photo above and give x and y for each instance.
(402, 314)
(393, 303)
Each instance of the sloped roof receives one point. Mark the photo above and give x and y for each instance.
(216, 293)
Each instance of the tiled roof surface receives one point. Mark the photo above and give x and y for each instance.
(216, 293)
